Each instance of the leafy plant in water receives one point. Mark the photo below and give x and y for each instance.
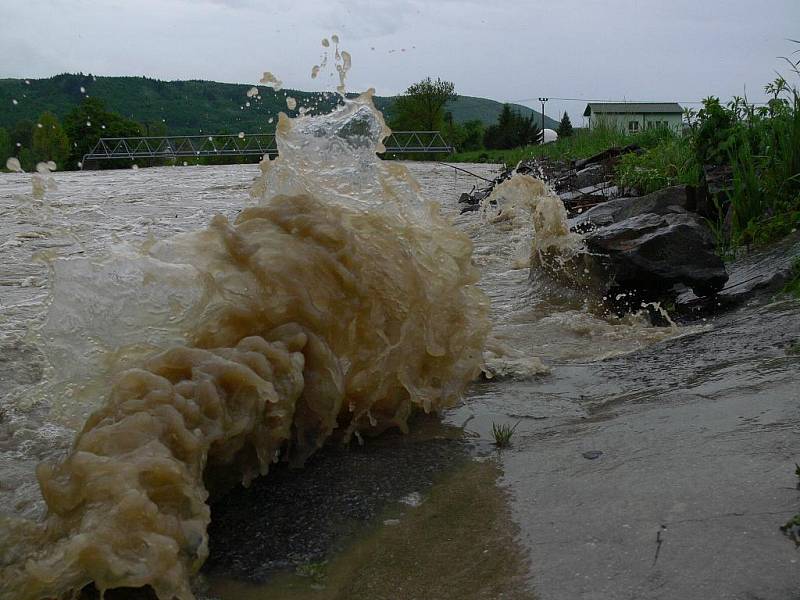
(503, 433)
(791, 529)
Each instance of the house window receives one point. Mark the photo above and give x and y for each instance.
(633, 126)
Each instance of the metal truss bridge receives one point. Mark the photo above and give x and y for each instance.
(258, 144)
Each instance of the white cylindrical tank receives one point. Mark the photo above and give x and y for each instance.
(549, 136)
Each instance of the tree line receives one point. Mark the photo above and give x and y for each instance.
(48, 139)
(423, 107)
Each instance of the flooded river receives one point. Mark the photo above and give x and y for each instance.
(646, 462)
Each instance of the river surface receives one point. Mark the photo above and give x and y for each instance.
(696, 429)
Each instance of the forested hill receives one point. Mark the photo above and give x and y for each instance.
(189, 107)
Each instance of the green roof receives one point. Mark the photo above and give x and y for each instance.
(632, 107)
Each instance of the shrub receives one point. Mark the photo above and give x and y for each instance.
(671, 162)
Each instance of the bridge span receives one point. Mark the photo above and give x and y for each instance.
(257, 144)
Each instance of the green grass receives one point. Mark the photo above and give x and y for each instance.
(670, 162)
(503, 433)
(583, 144)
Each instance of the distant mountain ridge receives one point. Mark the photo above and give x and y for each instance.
(193, 106)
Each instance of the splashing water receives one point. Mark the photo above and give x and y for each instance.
(13, 165)
(270, 80)
(525, 206)
(336, 305)
(546, 289)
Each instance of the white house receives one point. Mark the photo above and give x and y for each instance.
(635, 116)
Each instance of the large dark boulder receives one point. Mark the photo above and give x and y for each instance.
(651, 252)
(669, 200)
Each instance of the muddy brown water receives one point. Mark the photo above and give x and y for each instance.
(697, 429)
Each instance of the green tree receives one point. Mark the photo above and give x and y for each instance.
(565, 126)
(21, 136)
(512, 130)
(26, 160)
(5, 147)
(155, 128)
(88, 122)
(49, 142)
(422, 105)
(473, 135)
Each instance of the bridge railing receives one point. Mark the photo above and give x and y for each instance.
(258, 144)
(400, 142)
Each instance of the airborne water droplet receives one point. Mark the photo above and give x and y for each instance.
(241, 135)
(291, 103)
(271, 81)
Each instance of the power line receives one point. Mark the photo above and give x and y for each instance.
(624, 101)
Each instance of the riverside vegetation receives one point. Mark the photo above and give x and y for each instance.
(757, 148)
(85, 108)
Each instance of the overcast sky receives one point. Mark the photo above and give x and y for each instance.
(659, 50)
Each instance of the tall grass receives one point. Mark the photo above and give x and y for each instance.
(669, 162)
(582, 144)
(761, 145)
(765, 157)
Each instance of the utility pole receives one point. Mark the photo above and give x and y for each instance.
(543, 100)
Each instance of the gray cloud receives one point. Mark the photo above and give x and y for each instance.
(508, 50)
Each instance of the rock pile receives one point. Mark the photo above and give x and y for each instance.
(646, 248)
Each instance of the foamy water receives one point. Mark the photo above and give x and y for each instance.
(338, 300)
(333, 300)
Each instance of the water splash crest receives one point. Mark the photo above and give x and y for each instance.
(336, 305)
